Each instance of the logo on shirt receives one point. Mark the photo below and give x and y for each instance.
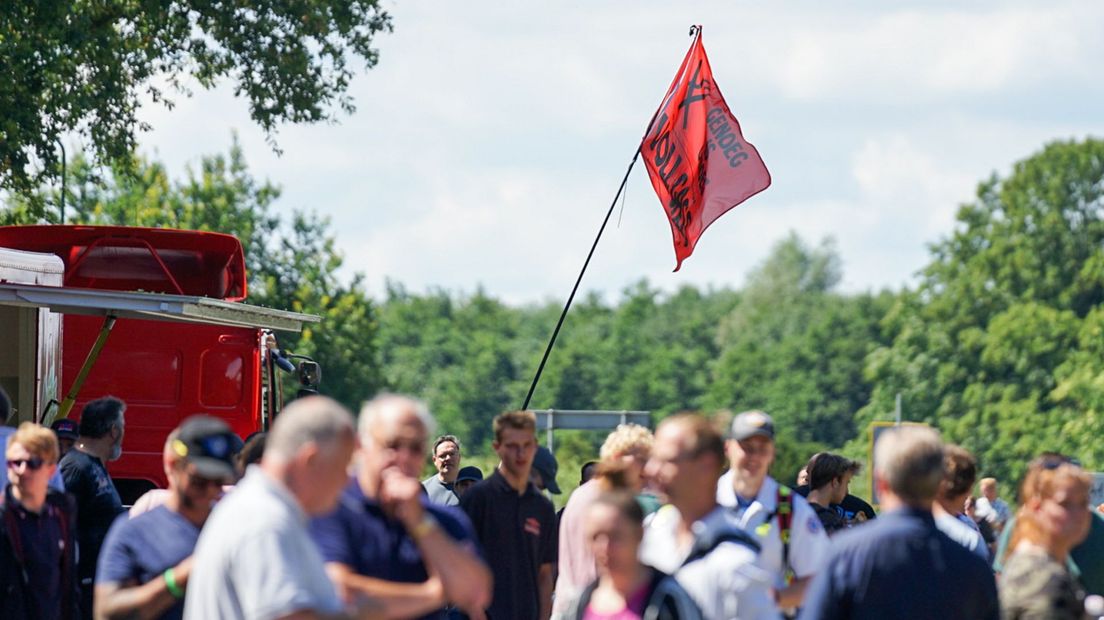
(814, 524)
(532, 526)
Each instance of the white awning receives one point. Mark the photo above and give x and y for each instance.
(151, 306)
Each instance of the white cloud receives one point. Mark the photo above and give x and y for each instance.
(491, 138)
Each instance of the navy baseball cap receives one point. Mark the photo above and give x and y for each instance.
(210, 445)
(471, 472)
(65, 428)
(545, 463)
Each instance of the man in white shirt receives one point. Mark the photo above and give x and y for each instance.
(770, 511)
(693, 538)
(254, 558)
(990, 507)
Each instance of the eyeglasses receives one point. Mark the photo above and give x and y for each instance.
(34, 463)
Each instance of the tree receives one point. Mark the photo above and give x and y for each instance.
(82, 66)
(795, 348)
(292, 264)
(995, 346)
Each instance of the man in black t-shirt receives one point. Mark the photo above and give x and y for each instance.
(86, 478)
(515, 524)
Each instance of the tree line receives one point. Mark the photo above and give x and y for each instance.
(998, 344)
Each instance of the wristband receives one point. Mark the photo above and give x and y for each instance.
(424, 527)
(170, 584)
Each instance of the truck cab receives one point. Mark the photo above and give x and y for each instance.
(156, 318)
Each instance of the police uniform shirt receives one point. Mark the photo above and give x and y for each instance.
(725, 583)
(808, 543)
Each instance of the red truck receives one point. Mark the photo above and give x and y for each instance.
(154, 317)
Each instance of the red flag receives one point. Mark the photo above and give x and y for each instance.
(698, 160)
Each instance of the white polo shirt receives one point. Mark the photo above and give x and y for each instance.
(808, 552)
(726, 583)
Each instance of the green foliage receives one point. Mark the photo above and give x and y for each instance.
(997, 345)
(292, 263)
(84, 66)
(795, 348)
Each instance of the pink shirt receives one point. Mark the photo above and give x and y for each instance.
(576, 562)
(633, 610)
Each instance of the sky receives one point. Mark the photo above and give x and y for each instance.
(491, 138)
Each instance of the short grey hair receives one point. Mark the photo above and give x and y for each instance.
(374, 409)
(314, 419)
(910, 461)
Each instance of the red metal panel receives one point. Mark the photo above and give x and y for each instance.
(161, 260)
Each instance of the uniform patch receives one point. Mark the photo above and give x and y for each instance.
(532, 526)
(814, 524)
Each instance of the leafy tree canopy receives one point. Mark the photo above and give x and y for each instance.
(998, 345)
(83, 66)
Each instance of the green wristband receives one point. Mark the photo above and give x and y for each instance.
(170, 583)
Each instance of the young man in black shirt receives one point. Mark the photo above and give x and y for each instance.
(515, 524)
(86, 478)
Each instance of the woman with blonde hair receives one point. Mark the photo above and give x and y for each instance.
(1053, 519)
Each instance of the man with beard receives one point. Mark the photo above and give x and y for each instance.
(86, 478)
(145, 561)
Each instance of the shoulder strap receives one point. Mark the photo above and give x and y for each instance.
(59, 505)
(708, 541)
(785, 521)
(584, 599)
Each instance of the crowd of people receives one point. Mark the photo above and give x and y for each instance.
(325, 516)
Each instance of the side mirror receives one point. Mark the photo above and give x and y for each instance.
(310, 374)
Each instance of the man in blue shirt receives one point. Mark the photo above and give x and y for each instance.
(900, 565)
(386, 539)
(145, 561)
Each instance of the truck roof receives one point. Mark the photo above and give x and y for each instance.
(124, 258)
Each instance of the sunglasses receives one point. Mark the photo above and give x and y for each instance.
(33, 463)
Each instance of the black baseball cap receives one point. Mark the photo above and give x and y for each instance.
(471, 472)
(209, 444)
(65, 428)
(545, 463)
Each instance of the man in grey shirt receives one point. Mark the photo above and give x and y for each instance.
(446, 458)
(254, 558)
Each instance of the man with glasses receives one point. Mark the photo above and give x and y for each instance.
(145, 561)
(792, 538)
(441, 487)
(693, 538)
(37, 530)
(386, 541)
(86, 478)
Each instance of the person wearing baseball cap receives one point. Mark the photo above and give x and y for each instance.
(466, 478)
(67, 433)
(146, 560)
(788, 529)
(543, 473)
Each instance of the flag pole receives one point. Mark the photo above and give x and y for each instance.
(694, 30)
(586, 263)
